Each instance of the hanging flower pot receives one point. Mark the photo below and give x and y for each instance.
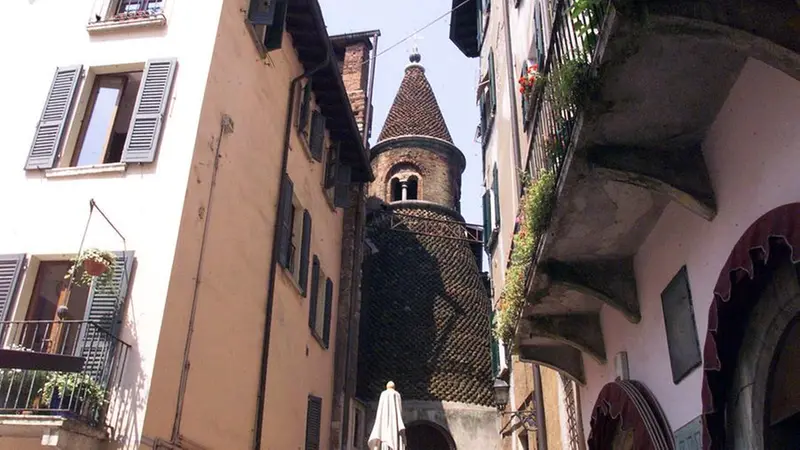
(92, 266)
(95, 268)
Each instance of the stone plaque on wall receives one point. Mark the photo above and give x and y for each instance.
(689, 436)
(684, 347)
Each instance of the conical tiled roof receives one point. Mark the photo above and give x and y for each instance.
(415, 111)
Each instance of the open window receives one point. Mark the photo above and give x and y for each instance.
(119, 118)
(267, 19)
(320, 304)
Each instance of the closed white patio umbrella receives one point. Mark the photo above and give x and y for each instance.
(389, 432)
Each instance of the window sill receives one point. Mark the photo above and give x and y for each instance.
(291, 279)
(94, 169)
(318, 339)
(110, 25)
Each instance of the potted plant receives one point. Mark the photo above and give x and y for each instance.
(90, 265)
(531, 83)
(77, 393)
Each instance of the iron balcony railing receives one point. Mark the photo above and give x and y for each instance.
(574, 32)
(59, 367)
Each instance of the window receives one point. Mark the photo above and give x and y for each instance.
(316, 140)
(305, 109)
(320, 304)
(496, 196)
(133, 6)
(488, 103)
(357, 438)
(396, 191)
(411, 188)
(295, 236)
(107, 119)
(329, 177)
(121, 121)
(49, 316)
(267, 19)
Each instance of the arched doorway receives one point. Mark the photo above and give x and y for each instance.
(626, 416)
(751, 350)
(428, 436)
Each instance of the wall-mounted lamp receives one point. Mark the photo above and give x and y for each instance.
(501, 396)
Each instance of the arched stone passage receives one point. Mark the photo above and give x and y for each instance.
(423, 435)
(755, 299)
(627, 416)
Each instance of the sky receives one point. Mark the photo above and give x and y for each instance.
(451, 74)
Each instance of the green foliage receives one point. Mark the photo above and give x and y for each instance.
(585, 22)
(537, 207)
(75, 386)
(572, 84)
(82, 278)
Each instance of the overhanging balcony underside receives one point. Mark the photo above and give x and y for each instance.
(635, 148)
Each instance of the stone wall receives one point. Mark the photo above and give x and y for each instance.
(471, 427)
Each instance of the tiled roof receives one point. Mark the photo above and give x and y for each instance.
(424, 318)
(415, 111)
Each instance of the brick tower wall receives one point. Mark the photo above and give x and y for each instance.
(439, 173)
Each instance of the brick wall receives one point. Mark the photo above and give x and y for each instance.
(437, 173)
(354, 75)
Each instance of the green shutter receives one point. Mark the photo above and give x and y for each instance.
(496, 196)
(10, 268)
(273, 39)
(341, 193)
(480, 23)
(312, 301)
(104, 310)
(285, 221)
(331, 165)
(317, 139)
(149, 111)
(326, 326)
(261, 12)
(52, 123)
(313, 422)
(487, 222)
(305, 105)
(305, 245)
(492, 84)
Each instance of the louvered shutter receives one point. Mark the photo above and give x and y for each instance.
(148, 112)
(539, 33)
(285, 221)
(480, 23)
(104, 310)
(331, 165)
(492, 85)
(10, 268)
(312, 302)
(317, 139)
(305, 106)
(52, 123)
(305, 245)
(487, 222)
(273, 39)
(484, 124)
(261, 12)
(341, 194)
(496, 196)
(313, 422)
(326, 330)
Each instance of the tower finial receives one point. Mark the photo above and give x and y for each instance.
(415, 57)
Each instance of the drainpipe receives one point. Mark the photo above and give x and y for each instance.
(541, 428)
(262, 383)
(512, 95)
(355, 283)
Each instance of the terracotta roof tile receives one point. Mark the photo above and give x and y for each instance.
(424, 318)
(415, 111)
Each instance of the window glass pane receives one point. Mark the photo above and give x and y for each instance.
(99, 122)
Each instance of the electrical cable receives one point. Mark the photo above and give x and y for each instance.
(417, 31)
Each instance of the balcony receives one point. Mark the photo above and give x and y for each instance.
(631, 90)
(57, 375)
